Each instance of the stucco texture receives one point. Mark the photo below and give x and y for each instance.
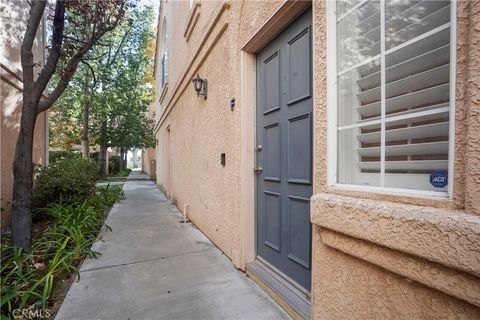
(149, 166)
(350, 288)
(358, 271)
(194, 132)
(13, 15)
(10, 118)
(469, 49)
(378, 255)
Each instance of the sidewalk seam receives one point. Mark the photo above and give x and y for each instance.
(147, 260)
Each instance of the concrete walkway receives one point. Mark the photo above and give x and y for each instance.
(154, 267)
(111, 183)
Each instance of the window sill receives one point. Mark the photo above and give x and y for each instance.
(441, 200)
(432, 195)
(444, 236)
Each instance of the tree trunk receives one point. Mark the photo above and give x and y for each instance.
(31, 105)
(102, 159)
(85, 115)
(121, 164)
(134, 158)
(102, 155)
(23, 178)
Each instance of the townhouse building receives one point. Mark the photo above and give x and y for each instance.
(329, 148)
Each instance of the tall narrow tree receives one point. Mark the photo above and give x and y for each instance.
(66, 51)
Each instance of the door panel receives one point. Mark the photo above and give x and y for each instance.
(299, 217)
(272, 223)
(284, 130)
(299, 149)
(272, 83)
(299, 67)
(272, 152)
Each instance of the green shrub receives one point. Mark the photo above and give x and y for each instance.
(66, 181)
(124, 173)
(28, 278)
(54, 156)
(105, 197)
(114, 165)
(94, 156)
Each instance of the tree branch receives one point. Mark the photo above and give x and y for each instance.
(36, 14)
(97, 57)
(92, 71)
(84, 42)
(75, 60)
(54, 55)
(64, 80)
(120, 46)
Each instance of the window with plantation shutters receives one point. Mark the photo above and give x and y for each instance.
(393, 101)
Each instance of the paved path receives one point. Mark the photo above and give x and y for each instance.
(153, 267)
(112, 183)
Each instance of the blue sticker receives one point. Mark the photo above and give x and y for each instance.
(439, 179)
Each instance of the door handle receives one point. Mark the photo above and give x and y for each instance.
(258, 169)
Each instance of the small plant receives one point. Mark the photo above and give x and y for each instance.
(66, 181)
(54, 156)
(113, 165)
(28, 278)
(124, 173)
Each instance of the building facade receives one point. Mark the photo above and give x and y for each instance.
(333, 152)
(14, 15)
(149, 155)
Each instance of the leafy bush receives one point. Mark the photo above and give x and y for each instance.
(106, 197)
(66, 181)
(114, 164)
(124, 173)
(54, 156)
(28, 278)
(94, 156)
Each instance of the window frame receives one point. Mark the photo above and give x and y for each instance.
(332, 120)
(164, 53)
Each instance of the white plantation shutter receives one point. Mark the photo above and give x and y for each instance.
(393, 103)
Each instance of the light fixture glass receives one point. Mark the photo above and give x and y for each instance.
(200, 86)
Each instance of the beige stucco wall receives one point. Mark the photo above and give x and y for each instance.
(148, 162)
(13, 17)
(149, 154)
(375, 256)
(378, 256)
(200, 130)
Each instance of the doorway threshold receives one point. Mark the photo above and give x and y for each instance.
(287, 293)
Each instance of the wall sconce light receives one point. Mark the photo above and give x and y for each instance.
(200, 86)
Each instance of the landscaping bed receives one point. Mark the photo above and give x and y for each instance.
(120, 176)
(69, 213)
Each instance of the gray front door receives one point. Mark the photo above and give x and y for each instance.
(284, 151)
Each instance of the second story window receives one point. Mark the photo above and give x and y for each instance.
(164, 52)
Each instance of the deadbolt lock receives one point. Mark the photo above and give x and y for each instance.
(258, 169)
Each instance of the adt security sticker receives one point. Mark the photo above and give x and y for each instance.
(439, 179)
